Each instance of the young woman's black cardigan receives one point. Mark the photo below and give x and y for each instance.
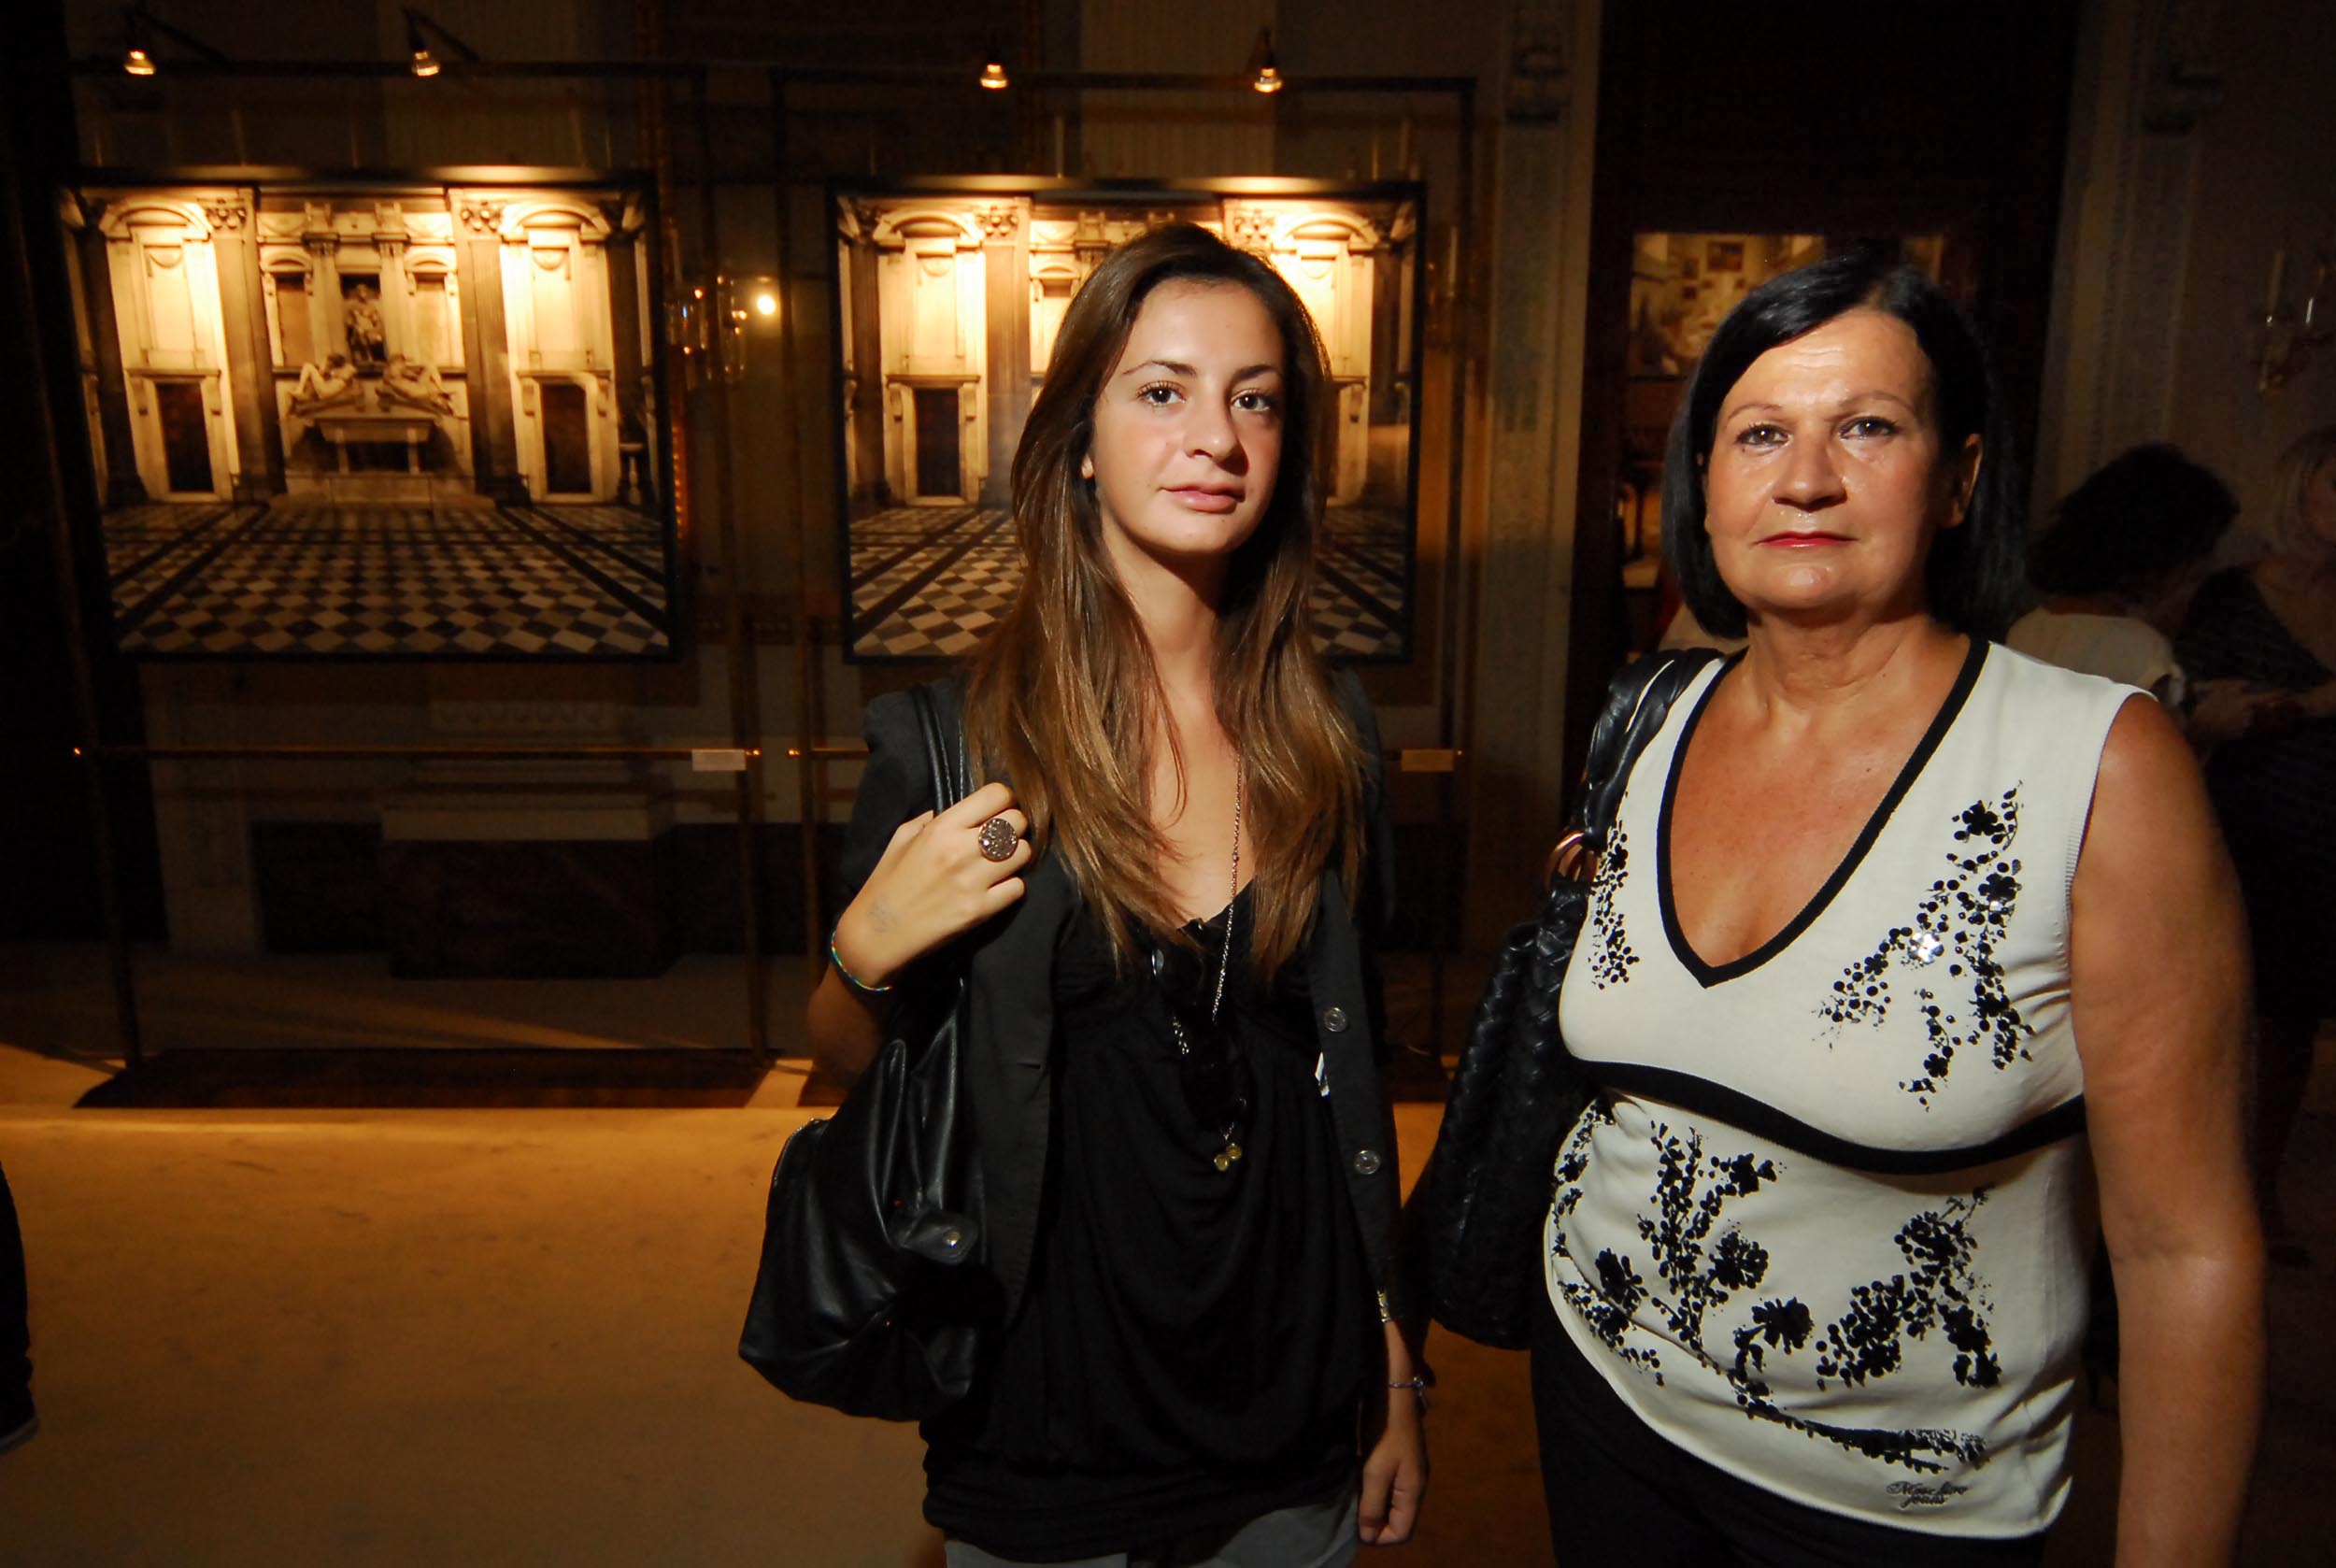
(1007, 1069)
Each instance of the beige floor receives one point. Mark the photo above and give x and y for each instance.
(394, 1338)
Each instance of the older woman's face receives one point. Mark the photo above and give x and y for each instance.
(1826, 481)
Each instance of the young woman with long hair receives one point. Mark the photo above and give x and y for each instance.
(1164, 899)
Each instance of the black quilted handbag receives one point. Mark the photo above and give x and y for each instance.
(867, 1297)
(1474, 1221)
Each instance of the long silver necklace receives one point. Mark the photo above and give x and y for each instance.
(1223, 1158)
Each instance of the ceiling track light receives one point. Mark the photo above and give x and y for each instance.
(134, 59)
(424, 63)
(137, 60)
(1265, 72)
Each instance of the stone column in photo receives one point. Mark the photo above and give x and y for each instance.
(397, 304)
(627, 301)
(242, 320)
(104, 377)
(323, 242)
(863, 325)
(486, 349)
(1005, 249)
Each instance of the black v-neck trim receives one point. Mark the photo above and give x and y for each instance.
(1709, 974)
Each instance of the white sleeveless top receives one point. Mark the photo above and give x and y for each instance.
(2120, 647)
(1827, 1223)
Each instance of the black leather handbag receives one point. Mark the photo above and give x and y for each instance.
(868, 1296)
(1475, 1219)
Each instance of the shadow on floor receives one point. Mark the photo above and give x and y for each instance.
(532, 1077)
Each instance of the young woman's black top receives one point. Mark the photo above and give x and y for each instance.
(1194, 1342)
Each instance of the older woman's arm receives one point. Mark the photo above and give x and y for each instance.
(2158, 977)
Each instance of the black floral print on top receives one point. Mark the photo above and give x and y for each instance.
(1960, 922)
(1701, 1265)
(1611, 955)
(1605, 1307)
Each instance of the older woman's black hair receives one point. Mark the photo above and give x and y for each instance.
(2143, 515)
(1974, 573)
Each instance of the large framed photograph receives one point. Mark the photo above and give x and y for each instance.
(419, 420)
(949, 293)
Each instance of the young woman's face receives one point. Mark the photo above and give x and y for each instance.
(1827, 480)
(1188, 428)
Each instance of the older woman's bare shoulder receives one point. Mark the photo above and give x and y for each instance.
(2149, 801)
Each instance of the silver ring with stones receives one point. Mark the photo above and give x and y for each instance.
(997, 839)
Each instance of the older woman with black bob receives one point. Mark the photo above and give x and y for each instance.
(1903, 946)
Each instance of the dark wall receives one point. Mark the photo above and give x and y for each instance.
(50, 880)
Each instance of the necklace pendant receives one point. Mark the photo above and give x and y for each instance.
(1224, 1157)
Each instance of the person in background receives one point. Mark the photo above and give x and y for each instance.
(17, 1420)
(1167, 890)
(2115, 571)
(2273, 627)
(1904, 948)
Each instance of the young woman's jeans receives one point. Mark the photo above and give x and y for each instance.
(1315, 1535)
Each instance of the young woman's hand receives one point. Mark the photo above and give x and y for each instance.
(933, 883)
(1395, 1456)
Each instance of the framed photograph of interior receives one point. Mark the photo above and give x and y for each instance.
(413, 419)
(949, 293)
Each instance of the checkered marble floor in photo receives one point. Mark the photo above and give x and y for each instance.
(305, 577)
(927, 581)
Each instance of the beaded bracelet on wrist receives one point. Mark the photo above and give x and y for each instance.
(862, 986)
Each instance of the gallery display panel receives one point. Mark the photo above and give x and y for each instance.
(335, 421)
(949, 294)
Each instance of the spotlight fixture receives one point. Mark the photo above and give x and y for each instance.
(426, 65)
(1265, 75)
(993, 75)
(136, 58)
(767, 302)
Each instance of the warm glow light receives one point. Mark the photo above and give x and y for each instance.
(1264, 70)
(766, 303)
(993, 75)
(425, 63)
(139, 62)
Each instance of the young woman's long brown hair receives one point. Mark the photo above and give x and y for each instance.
(1062, 698)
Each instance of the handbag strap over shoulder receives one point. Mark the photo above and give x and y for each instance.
(1636, 704)
(944, 746)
